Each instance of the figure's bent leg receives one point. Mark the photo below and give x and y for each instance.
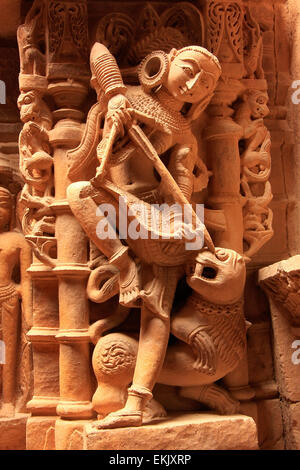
(213, 396)
(85, 202)
(153, 341)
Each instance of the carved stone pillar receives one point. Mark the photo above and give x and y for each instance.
(42, 336)
(224, 22)
(68, 76)
(45, 350)
(224, 37)
(281, 282)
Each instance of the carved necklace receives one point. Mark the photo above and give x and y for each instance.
(160, 106)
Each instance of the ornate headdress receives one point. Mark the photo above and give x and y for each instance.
(213, 59)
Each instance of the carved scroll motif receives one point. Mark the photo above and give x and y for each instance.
(116, 32)
(225, 23)
(68, 31)
(131, 41)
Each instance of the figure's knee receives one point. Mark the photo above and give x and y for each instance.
(75, 191)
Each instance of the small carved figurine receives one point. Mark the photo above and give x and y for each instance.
(36, 164)
(255, 170)
(14, 251)
(31, 41)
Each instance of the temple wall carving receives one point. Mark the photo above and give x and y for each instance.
(149, 104)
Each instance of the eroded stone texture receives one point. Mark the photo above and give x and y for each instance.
(270, 425)
(13, 432)
(190, 432)
(40, 433)
(281, 283)
(291, 416)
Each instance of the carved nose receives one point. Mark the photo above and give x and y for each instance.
(191, 83)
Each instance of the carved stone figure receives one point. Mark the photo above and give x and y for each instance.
(14, 252)
(31, 41)
(125, 255)
(255, 169)
(212, 339)
(253, 45)
(36, 164)
(134, 171)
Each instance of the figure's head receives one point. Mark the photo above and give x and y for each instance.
(219, 278)
(193, 74)
(6, 205)
(28, 104)
(257, 101)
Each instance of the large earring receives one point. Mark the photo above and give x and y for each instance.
(153, 70)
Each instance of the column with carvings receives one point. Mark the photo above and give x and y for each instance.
(68, 75)
(224, 37)
(224, 22)
(36, 165)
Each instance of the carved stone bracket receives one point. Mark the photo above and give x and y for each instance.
(281, 281)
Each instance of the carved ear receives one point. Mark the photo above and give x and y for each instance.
(172, 54)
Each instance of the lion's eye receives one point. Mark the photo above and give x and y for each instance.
(27, 100)
(222, 255)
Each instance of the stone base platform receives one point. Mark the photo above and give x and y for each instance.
(13, 432)
(195, 431)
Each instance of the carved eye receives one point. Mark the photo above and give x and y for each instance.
(188, 71)
(261, 100)
(222, 255)
(27, 100)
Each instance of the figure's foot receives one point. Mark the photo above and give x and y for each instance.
(7, 410)
(121, 419)
(220, 401)
(213, 396)
(153, 411)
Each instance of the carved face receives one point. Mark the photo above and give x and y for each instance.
(28, 104)
(258, 104)
(191, 77)
(218, 278)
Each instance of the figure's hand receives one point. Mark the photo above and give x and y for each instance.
(34, 202)
(119, 113)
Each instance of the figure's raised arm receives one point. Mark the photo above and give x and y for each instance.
(108, 83)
